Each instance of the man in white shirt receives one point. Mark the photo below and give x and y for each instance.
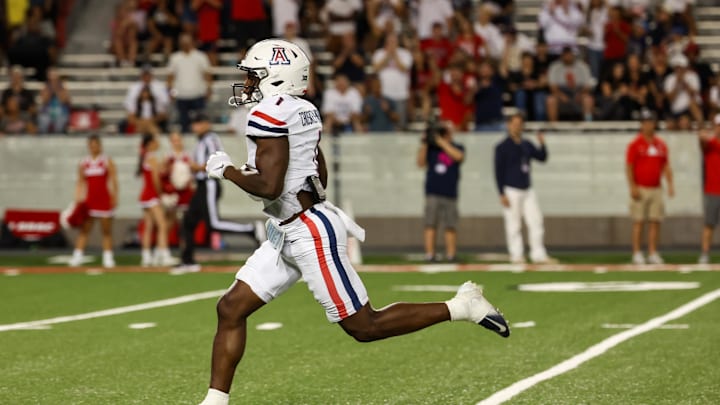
(431, 12)
(189, 79)
(489, 32)
(283, 13)
(342, 106)
(140, 113)
(560, 21)
(392, 65)
(682, 88)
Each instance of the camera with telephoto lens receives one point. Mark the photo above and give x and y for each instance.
(433, 129)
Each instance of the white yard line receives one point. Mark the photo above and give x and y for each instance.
(506, 393)
(114, 311)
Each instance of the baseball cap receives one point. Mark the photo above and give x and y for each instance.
(647, 115)
(198, 116)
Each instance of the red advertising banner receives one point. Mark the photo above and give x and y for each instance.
(32, 226)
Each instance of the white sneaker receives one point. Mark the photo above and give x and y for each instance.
(108, 262)
(655, 259)
(638, 258)
(470, 304)
(704, 259)
(146, 262)
(75, 261)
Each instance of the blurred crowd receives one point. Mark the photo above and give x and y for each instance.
(394, 62)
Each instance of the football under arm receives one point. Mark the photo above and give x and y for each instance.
(271, 158)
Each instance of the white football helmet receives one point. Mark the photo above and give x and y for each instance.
(273, 66)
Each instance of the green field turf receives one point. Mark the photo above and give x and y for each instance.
(309, 361)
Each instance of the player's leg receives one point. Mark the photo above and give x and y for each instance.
(81, 242)
(107, 244)
(637, 213)
(261, 279)
(450, 220)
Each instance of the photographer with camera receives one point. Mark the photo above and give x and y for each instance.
(442, 158)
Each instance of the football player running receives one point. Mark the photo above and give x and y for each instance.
(307, 235)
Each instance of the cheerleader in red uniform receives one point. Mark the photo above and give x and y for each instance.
(179, 172)
(97, 188)
(149, 167)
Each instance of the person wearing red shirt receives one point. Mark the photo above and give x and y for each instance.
(617, 35)
(710, 146)
(646, 163)
(454, 96)
(438, 46)
(250, 22)
(97, 189)
(208, 33)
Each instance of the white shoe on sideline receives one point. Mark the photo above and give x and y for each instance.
(108, 263)
(638, 258)
(470, 304)
(655, 259)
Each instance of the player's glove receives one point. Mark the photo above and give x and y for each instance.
(216, 165)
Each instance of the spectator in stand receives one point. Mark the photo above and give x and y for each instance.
(54, 111)
(350, 61)
(513, 156)
(146, 104)
(703, 69)
(503, 11)
(682, 14)
(560, 21)
(393, 65)
(189, 80)
(340, 16)
(514, 45)
(14, 120)
(342, 107)
(638, 43)
(208, 32)
(385, 16)
(655, 78)
(489, 33)
(431, 12)
(488, 95)
(33, 48)
(617, 35)
(285, 12)
(442, 157)
(17, 88)
(437, 46)
(378, 111)
(188, 18)
(660, 28)
(250, 23)
(616, 104)
(164, 27)
(542, 57)
(455, 98)
(528, 86)
(124, 40)
(637, 84)
(682, 89)
(468, 42)
(426, 77)
(570, 89)
(646, 163)
(714, 98)
(710, 146)
(597, 16)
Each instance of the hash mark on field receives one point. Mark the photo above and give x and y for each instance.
(115, 311)
(596, 350)
(528, 324)
(269, 326)
(12, 272)
(142, 325)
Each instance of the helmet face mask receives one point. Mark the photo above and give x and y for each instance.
(273, 67)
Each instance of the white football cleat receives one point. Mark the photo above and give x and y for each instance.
(469, 304)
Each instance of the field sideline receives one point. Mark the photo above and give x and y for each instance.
(130, 336)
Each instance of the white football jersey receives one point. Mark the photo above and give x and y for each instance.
(300, 121)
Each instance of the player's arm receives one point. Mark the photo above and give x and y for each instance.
(80, 185)
(322, 168)
(112, 178)
(271, 158)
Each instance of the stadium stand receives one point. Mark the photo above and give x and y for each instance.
(97, 84)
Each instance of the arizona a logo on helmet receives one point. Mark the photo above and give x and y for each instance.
(279, 57)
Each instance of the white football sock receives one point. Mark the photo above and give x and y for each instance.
(216, 397)
(458, 309)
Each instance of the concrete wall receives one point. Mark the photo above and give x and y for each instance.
(582, 188)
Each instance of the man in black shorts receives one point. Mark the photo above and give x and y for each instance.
(442, 158)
